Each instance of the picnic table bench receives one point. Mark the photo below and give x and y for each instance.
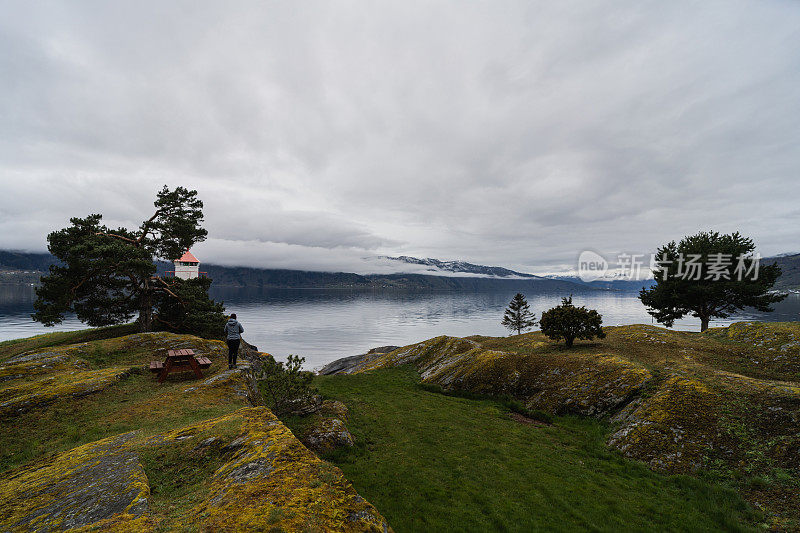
(181, 360)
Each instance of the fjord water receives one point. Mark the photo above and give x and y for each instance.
(326, 324)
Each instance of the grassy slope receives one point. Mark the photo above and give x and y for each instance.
(743, 348)
(432, 462)
(137, 402)
(16, 346)
(217, 466)
(733, 427)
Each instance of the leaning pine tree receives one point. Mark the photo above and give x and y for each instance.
(518, 316)
(107, 276)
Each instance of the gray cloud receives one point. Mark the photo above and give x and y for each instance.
(322, 133)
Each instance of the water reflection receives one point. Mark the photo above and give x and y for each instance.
(322, 325)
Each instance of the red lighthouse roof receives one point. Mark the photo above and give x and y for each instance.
(189, 258)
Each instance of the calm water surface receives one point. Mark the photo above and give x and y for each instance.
(322, 325)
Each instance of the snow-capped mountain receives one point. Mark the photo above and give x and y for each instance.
(434, 266)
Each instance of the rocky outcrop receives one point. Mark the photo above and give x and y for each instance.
(582, 384)
(39, 364)
(20, 396)
(270, 479)
(347, 365)
(37, 378)
(83, 486)
(682, 419)
(267, 478)
(776, 346)
(690, 423)
(326, 430)
(257, 475)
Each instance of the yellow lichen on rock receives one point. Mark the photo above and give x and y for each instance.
(247, 470)
(326, 429)
(672, 430)
(268, 479)
(677, 406)
(76, 488)
(689, 424)
(18, 397)
(272, 479)
(121, 523)
(580, 383)
(45, 364)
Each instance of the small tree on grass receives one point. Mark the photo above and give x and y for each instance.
(518, 316)
(569, 323)
(287, 387)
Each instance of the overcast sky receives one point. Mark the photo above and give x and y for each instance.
(319, 134)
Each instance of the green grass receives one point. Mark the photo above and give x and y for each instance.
(16, 346)
(738, 349)
(136, 403)
(432, 462)
(179, 475)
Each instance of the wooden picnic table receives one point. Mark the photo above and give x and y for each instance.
(181, 360)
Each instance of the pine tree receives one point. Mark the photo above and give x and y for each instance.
(728, 279)
(187, 308)
(518, 316)
(107, 276)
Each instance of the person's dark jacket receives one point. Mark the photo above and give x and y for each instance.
(233, 330)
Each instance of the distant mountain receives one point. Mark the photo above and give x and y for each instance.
(461, 267)
(13, 266)
(22, 267)
(224, 276)
(790, 271)
(475, 277)
(610, 284)
(789, 280)
(473, 283)
(24, 261)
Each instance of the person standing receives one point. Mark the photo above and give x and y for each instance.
(233, 336)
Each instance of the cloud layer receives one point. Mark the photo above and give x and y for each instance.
(322, 133)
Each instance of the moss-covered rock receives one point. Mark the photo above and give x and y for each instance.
(236, 472)
(36, 378)
(327, 429)
(775, 347)
(595, 384)
(673, 429)
(722, 420)
(267, 479)
(83, 486)
(133, 350)
(17, 397)
(680, 416)
(272, 479)
(39, 364)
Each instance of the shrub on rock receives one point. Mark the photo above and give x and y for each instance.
(287, 387)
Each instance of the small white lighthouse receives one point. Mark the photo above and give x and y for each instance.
(187, 267)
